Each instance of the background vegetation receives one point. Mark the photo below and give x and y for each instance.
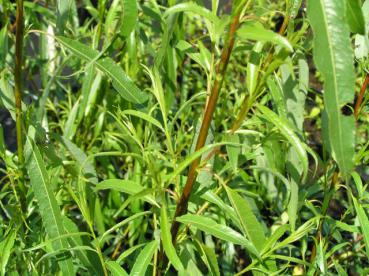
(165, 137)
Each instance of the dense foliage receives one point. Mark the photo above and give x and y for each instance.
(165, 137)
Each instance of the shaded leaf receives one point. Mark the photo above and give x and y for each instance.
(121, 82)
(333, 57)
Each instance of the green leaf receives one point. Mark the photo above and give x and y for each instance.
(294, 8)
(128, 252)
(220, 231)
(333, 57)
(364, 224)
(123, 222)
(88, 258)
(287, 131)
(253, 68)
(355, 17)
(278, 233)
(64, 11)
(257, 32)
(84, 163)
(49, 209)
(124, 186)
(233, 151)
(166, 237)
(6, 246)
(211, 259)
(116, 269)
(121, 82)
(129, 16)
(194, 8)
(216, 200)
(144, 258)
(249, 223)
(145, 117)
(70, 125)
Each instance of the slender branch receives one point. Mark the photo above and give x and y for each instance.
(18, 87)
(209, 111)
(359, 100)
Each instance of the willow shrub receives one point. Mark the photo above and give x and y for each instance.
(184, 137)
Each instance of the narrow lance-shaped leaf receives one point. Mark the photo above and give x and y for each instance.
(88, 258)
(355, 17)
(49, 209)
(287, 131)
(166, 237)
(257, 32)
(364, 223)
(143, 259)
(116, 269)
(194, 8)
(251, 227)
(124, 186)
(121, 82)
(220, 231)
(129, 16)
(249, 223)
(333, 57)
(5, 248)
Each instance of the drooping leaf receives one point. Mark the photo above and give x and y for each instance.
(220, 231)
(124, 186)
(121, 82)
(257, 32)
(289, 134)
(194, 8)
(120, 224)
(49, 209)
(88, 258)
(333, 57)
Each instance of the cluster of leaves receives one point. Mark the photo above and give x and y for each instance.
(114, 94)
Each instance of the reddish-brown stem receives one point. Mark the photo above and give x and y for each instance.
(18, 88)
(359, 100)
(209, 111)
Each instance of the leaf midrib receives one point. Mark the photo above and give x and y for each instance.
(330, 47)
